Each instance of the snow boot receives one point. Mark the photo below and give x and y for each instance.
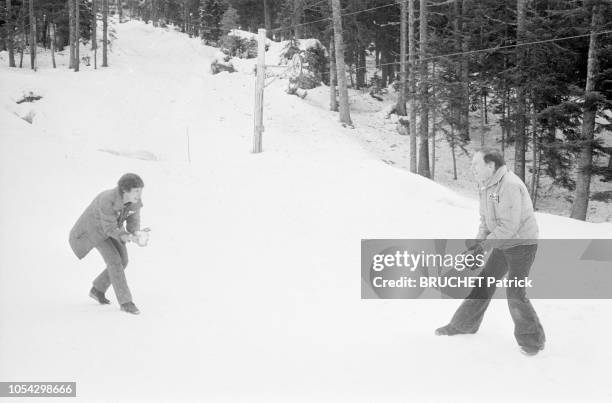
(129, 307)
(449, 330)
(98, 296)
(530, 351)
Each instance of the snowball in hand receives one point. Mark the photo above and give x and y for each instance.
(142, 237)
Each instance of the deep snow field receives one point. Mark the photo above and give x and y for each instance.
(250, 286)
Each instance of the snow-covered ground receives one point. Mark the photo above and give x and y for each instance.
(250, 286)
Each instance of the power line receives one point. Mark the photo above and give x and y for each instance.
(329, 18)
(516, 45)
(448, 54)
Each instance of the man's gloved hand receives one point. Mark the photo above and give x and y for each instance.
(472, 243)
(474, 248)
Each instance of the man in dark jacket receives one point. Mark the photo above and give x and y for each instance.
(509, 231)
(101, 226)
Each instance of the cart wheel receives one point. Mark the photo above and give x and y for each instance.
(295, 70)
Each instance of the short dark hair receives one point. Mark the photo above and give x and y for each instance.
(492, 155)
(128, 182)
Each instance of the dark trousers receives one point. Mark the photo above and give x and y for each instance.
(115, 256)
(516, 262)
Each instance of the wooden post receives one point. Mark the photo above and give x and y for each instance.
(77, 34)
(259, 90)
(52, 34)
(345, 113)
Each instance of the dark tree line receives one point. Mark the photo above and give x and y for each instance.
(461, 67)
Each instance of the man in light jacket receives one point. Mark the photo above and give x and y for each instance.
(508, 231)
(101, 227)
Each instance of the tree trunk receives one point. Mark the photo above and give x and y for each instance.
(94, 31)
(22, 43)
(486, 112)
(43, 32)
(465, 74)
(384, 59)
(297, 16)
(120, 10)
(104, 33)
(185, 16)
(345, 115)
(71, 33)
(32, 36)
(537, 180)
(433, 120)
(482, 118)
(10, 42)
(267, 19)
(519, 138)
(585, 158)
(360, 71)
(452, 144)
(509, 126)
(153, 12)
(45, 39)
(52, 35)
(504, 125)
(534, 156)
(412, 87)
(424, 95)
(400, 108)
(77, 35)
(333, 100)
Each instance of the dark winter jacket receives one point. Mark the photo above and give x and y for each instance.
(506, 212)
(104, 218)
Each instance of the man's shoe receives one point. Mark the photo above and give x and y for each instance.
(530, 351)
(449, 330)
(129, 307)
(98, 296)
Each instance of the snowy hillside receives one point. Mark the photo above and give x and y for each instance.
(249, 288)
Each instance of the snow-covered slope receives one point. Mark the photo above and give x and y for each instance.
(250, 286)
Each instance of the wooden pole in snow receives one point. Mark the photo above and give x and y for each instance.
(52, 34)
(259, 90)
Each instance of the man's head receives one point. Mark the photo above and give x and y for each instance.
(485, 162)
(130, 187)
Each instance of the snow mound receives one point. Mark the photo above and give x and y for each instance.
(247, 35)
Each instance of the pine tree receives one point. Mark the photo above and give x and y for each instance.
(211, 12)
(229, 20)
